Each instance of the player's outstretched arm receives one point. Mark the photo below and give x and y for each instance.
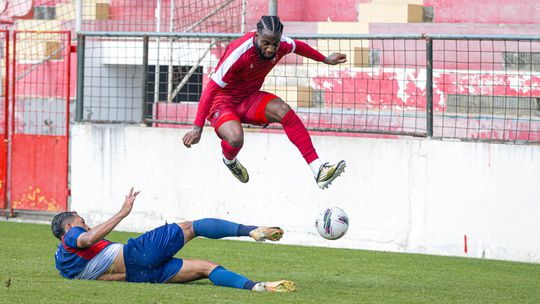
(335, 58)
(305, 50)
(97, 233)
(205, 103)
(193, 136)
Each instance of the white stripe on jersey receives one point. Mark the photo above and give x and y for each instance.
(220, 72)
(289, 41)
(100, 263)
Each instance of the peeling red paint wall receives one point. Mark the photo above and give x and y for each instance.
(485, 11)
(406, 88)
(39, 172)
(39, 162)
(308, 11)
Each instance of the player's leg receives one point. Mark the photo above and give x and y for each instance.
(165, 239)
(277, 111)
(193, 270)
(212, 228)
(217, 228)
(232, 135)
(187, 229)
(227, 125)
(144, 255)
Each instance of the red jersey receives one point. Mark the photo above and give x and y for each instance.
(241, 71)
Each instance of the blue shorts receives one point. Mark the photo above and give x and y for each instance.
(149, 257)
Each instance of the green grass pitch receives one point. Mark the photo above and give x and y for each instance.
(322, 275)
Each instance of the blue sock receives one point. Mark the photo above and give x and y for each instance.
(249, 285)
(245, 230)
(223, 277)
(215, 228)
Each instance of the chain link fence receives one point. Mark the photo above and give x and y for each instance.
(207, 16)
(483, 88)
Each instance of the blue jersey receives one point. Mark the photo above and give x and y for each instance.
(70, 259)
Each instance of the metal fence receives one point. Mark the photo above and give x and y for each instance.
(214, 16)
(482, 88)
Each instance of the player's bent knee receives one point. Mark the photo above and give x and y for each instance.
(187, 228)
(280, 109)
(206, 267)
(284, 108)
(231, 131)
(193, 270)
(236, 141)
(234, 137)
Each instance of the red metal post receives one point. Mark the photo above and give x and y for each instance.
(68, 86)
(13, 94)
(6, 120)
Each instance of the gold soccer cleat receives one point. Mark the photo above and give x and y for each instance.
(327, 173)
(278, 286)
(238, 171)
(262, 234)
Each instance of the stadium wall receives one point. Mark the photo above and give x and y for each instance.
(485, 11)
(403, 195)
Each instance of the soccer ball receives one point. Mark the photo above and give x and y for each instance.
(332, 223)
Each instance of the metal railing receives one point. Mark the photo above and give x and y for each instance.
(474, 87)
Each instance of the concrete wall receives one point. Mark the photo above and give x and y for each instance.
(403, 195)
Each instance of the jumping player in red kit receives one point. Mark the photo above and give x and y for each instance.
(233, 96)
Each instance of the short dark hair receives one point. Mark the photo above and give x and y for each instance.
(270, 23)
(59, 221)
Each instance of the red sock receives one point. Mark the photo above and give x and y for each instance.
(299, 136)
(229, 151)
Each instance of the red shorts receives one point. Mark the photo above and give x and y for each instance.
(250, 110)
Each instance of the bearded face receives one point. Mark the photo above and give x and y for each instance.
(267, 44)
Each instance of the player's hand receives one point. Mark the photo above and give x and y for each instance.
(192, 137)
(128, 202)
(335, 58)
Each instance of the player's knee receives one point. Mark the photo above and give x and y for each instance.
(206, 268)
(187, 228)
(236, 141)
(282, 110)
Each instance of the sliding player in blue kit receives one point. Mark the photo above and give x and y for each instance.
(84, 253)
